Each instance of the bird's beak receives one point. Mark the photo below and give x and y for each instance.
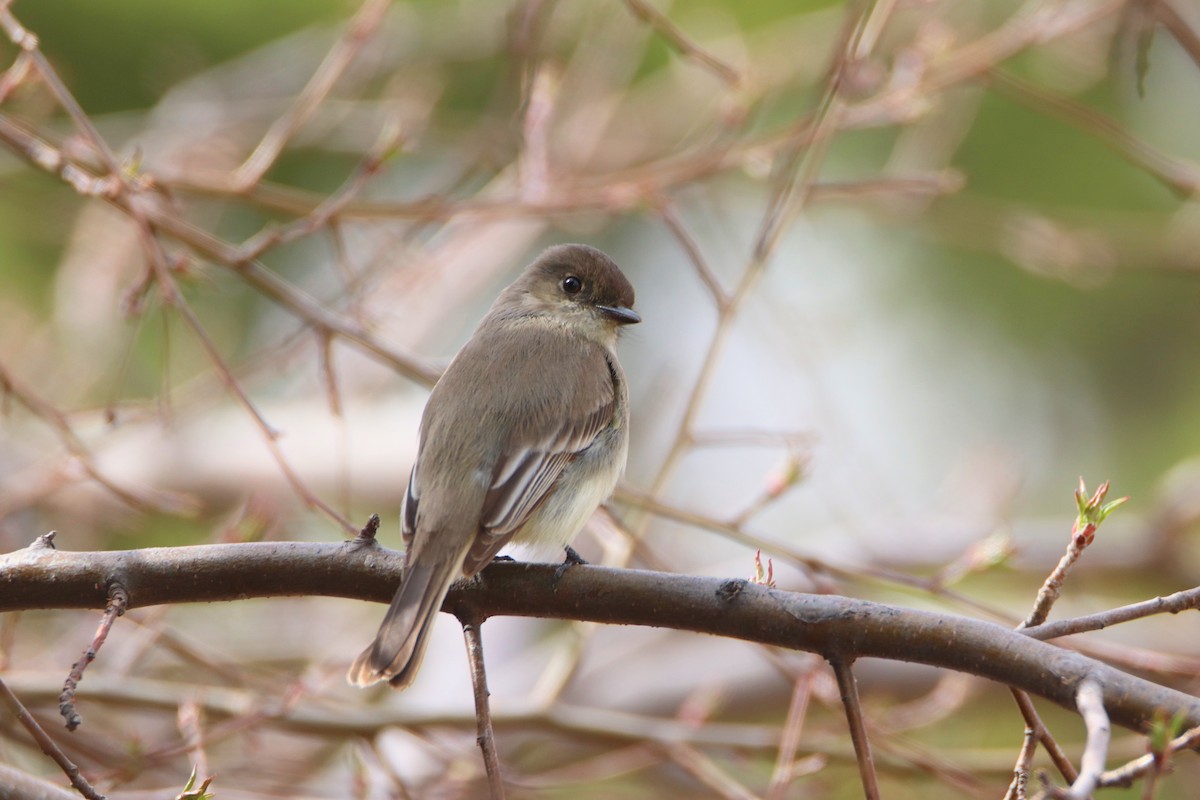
(620, 314)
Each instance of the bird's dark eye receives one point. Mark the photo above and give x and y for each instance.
(572, 285)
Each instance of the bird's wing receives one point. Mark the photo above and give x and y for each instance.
(540, 446)
(408, 526)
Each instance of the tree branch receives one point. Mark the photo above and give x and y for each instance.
(47, 744)
(858, 726)
(827, 625)
(485, 737)
(1091, 766)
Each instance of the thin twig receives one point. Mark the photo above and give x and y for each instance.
(118, 188)
(144, 499)
(25, 40)
(270, 436)
(790, 197)
(1090, 702)
(1180, 175)
(776, 486)
(314, 717)
(190, 720)
(1188, 39)
(1171, 604)
(1037, 22)
(1126, 774)
(682, 42)
(118, 600)
(789, 743)
(817, 566)
(1083, 533)
(931, 761)
(323, 215)
(726, 314)
(947, 696)
(858, 729)
(366, 20)
(1045, 738)
(173, 298)
(47, 744)
(1020, 782)
(590, 770)
(1091, 512)
(799, 170)
(535, 176)
(670, 217)
(1140, 659)
(249, 718)
(485, 736)
(1051, 588)
(15, 76)
(51, 159)
(611, 193)
(703, 769)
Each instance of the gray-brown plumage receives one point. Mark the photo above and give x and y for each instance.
(523, 437)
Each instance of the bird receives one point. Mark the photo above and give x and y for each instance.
(524, 435)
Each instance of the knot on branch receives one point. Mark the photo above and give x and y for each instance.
(366, 536)
(44, 542)
(730, 589)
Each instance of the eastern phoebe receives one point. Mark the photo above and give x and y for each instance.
(523, 437)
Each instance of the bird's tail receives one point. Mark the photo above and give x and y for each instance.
(399, 647)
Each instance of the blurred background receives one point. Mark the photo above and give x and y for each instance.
(907, 271)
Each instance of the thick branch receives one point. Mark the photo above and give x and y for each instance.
(827, 625)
